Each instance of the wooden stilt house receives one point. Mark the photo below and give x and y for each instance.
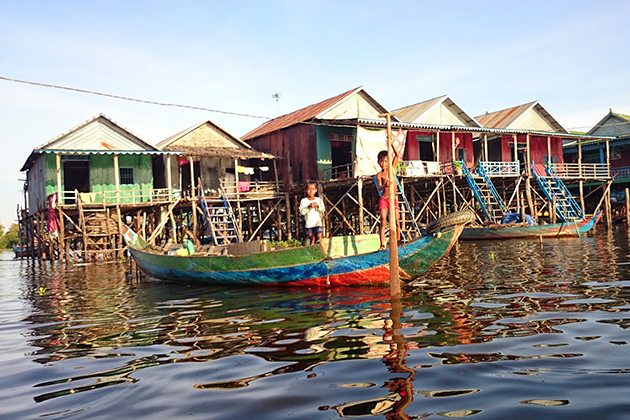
(319, 141)
(536, 137)
(85, 178)
(217, 159)
(446, 137)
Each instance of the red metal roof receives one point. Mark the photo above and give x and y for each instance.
(296, 117)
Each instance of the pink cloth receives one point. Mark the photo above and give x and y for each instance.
(243, 186)
(53, 218)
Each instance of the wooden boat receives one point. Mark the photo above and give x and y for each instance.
(336, 261)
(517, 231)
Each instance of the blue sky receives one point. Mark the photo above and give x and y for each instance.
(233, 55)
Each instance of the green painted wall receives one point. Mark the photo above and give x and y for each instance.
(102, 177)
(324, 155)
(50, 166)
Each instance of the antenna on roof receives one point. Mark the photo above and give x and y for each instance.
(276, 96)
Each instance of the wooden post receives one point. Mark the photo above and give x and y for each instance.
(522, 200)
(437, 146)
(169, 177)
(515, 157)
(580, 161)
(528, 195)
(485, 147)
(120, 240)
(452, 146)
(552, 211)
(360, 200)
(581, 186)
(62, 232)
(528, 162)
(394, 278)
(608, 161)
(192, 181)
(627, 207)
(287, 203)
(608, 205)
(549, 151)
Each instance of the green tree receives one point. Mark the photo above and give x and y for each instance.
(10, 237)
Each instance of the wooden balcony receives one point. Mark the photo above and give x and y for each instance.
(154, 195)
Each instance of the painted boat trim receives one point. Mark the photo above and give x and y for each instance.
(532, 231)
(290, 267)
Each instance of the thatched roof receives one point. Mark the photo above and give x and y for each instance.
(221, 152)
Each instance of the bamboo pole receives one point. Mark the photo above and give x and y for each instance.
(394, 275)
(360, 197)
(287, 201)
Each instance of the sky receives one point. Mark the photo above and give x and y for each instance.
(232, 56)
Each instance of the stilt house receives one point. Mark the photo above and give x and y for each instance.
(97, 161)
(538, 145)
(452, 142)
(212, 156)
(319, 141)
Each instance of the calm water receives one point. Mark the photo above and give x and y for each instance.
(497, 330)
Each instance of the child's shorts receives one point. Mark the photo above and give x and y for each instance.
(383, 203)
(315, 230)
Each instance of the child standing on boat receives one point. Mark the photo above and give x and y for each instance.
(383, 187)
(312, 208)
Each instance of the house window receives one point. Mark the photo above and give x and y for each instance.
(424, 139)
(126, 176)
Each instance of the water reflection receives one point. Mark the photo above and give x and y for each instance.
(487, 312)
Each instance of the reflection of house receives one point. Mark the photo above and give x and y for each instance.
(519, 147)
(436, 145)
(319, 141)
(98, 159)
(215, 156)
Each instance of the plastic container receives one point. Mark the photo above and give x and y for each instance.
(189, 246)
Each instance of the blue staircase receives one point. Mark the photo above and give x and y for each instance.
(486, 194)
(552, 186)
(219, 220)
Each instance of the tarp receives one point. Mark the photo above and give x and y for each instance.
(370, 141)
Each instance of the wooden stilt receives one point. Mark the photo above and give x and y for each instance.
(287, 204)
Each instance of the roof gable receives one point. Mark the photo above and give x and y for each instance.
(204, 134)
(437, 111)
(529, 116)
(613, 124)
(353, 104)
(98, 133)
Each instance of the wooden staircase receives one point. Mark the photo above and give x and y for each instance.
(219, 220)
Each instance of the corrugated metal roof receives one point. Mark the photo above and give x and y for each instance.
(132, 136)
(418, 113)
(507, 117)
(411, 113)
(298, 116)
(487, 130)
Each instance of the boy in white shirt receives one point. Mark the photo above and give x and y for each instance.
(312, 208)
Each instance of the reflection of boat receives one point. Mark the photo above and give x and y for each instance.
(511, 231)
(337, 261)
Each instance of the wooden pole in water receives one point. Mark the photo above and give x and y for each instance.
(552, 211)
(627, 208)
(394, 279)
